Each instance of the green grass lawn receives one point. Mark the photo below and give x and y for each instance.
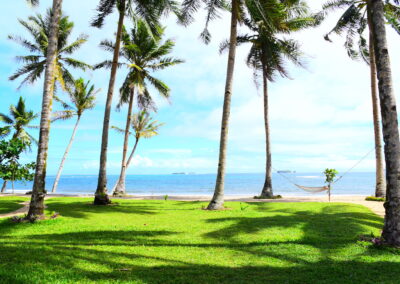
(177, 242)
(11, 203)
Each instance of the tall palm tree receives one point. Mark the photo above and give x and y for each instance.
(83, 98)
(34, 64)
(236, 9)
(36, 205)
(240, 13)
(268, 54)
(391, 232)
(143, 127)
(142, 53)
(150, 12)
(353, 23)
(18, 120)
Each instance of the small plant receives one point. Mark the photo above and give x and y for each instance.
(330, 175)
(166, 197)
(242, 208)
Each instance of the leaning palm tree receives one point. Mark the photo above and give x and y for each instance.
(353, 23)
(150, 12)
(267, 57)
(143, 53)
(143, 127)
(34, 64)
(391, 232)
(83, 97)
(19, 120)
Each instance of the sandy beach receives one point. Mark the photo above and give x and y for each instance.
(376, 207)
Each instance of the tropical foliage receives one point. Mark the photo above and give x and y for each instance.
(10, 167)
(18, 121)
(34, 64)
(143, 53)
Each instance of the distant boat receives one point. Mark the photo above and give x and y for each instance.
(286, 172)
(179, 173)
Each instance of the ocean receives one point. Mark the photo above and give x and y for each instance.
(203, 184)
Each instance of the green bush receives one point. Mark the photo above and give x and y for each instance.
(373, 198)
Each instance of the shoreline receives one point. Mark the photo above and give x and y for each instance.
(374, 206)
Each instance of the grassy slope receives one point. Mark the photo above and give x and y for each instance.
(10, 203)
(176, 242)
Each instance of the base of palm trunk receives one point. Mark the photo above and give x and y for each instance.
(267, 193)
(101, 199)
(36, 207)
(216, 205)
(119, 189)
(391, 229)
(119, 193)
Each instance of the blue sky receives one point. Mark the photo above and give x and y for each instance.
(322, 118)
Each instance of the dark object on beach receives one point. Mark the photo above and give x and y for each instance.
(373, 198)
(273, 197)
(28, 192)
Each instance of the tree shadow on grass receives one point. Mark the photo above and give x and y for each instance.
(9, 204)
(152, 257)
(63, 264)
(330, 228)
(81, 209)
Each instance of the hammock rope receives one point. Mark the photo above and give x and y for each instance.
(323, 188)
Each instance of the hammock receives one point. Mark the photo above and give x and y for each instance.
(312, 189)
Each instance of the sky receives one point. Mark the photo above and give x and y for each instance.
(320, 118)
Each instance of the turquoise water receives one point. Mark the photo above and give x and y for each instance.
(203, 184)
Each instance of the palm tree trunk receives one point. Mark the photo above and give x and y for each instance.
(391, 228)
(3, 188)
(217, 201)
(36, 206)
(122, 176)
(65, 156)
(132, 153)
(267, 189)
(101, 196)
(119, 189)
(379, 159)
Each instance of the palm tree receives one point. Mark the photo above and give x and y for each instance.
(391, 232)
(35, 63)
(18, 120)
(267, 56)
(143, 53)
(236, 9)
(240, 10)
(143, 127)
(83, 97)
(36, 205)
(150, 12)
(353, 23)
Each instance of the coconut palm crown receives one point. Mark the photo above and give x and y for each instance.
(82, 96)
(18, 120)
(35, 63)
(142, 53)
(354, 22)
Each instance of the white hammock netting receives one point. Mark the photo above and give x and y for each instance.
(313, 189)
